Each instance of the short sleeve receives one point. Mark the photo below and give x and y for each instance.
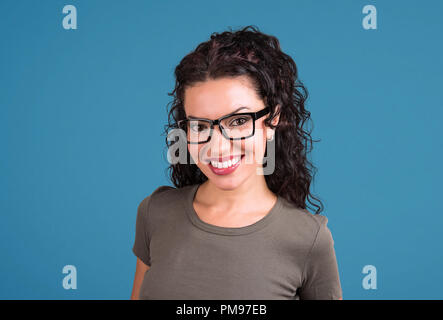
(320, 276)
(143, 227)
(142, 237)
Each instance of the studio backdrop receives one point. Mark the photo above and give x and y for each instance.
(83, 104)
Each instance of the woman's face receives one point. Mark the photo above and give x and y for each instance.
(213, 99)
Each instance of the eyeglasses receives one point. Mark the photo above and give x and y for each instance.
(237, 126)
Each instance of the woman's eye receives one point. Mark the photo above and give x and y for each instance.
(198, 128)
(238, 121)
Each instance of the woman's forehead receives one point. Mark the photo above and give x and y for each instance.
(215, 98)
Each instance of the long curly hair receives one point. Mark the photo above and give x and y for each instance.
(249, 52)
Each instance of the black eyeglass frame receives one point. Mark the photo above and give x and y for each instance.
(255, 116)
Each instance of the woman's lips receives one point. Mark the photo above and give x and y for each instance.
(224, 171)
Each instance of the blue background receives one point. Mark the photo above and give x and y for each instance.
(82, 115)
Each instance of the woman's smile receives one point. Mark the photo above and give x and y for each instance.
(227, 166)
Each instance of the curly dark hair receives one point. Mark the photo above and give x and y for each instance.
(249, 52)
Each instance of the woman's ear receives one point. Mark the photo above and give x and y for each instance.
(271, 132)
(277, 111)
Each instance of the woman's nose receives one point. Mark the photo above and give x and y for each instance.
(219, 144)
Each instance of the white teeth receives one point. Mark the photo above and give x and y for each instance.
(225, 164)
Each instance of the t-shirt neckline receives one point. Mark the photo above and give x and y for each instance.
(195, 219)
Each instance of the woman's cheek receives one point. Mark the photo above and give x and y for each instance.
(254, 151)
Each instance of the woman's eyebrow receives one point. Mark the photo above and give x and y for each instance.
(243, 107)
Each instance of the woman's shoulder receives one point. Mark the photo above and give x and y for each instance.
(301, 218)
(305, 228)
(161, 191)
(164, 196)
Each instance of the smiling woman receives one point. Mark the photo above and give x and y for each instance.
(228, 229)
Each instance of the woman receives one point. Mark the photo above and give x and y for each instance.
(235, 226)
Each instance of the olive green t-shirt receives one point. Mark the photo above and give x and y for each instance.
(287, 254)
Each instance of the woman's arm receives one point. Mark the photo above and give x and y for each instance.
(140, 270)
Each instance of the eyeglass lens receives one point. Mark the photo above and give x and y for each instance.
(235, 126)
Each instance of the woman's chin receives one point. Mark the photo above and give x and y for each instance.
(225, 183)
